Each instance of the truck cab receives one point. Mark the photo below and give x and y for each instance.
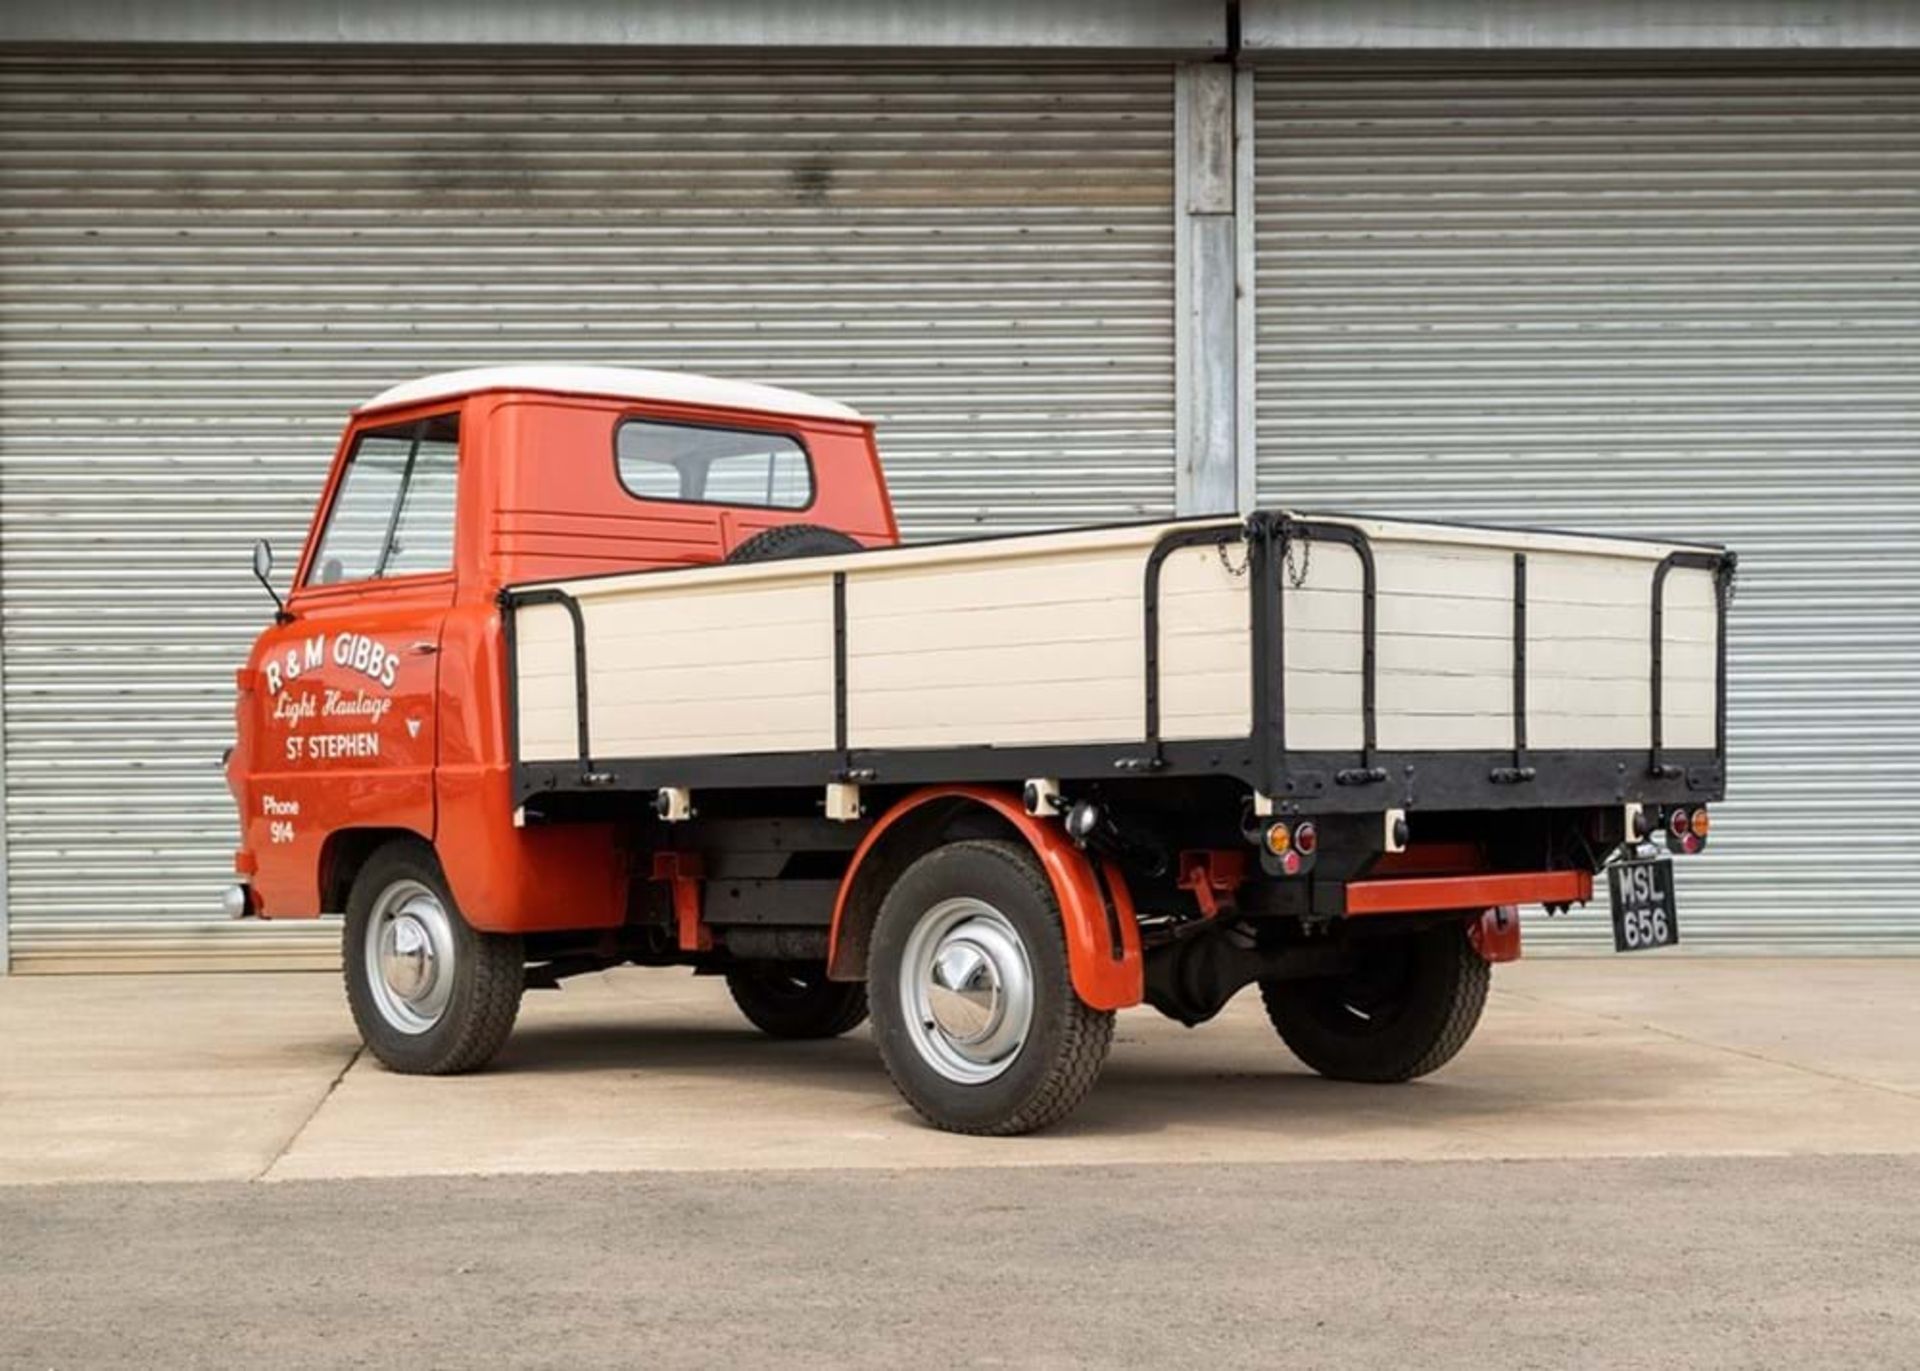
(586, 667)
(372, 710)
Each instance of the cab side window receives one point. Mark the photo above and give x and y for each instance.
(713, 466)
(393, 513)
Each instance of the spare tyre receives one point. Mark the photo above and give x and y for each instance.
(792, 540)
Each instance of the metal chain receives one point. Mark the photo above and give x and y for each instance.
(1236, 572)
(1298, 578)
(1296, 575)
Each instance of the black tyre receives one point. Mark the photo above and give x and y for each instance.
(793, 540)
(973, 1004)
(430, 995)
(797, 1001)
(1409, 1006)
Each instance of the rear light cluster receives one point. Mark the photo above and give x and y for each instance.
(1686, 827)
(1289, 846)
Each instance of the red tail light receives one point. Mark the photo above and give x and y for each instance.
(1687, 828)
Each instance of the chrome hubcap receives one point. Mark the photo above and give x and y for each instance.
(964, 992)
(409, 952)
(967, 990)
(406, 957)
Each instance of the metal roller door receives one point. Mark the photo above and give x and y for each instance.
(1682, 302)
(204, 263)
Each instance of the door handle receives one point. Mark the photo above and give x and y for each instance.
(424, 648)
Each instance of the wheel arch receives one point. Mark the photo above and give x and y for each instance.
(1103, 936)
(346, 850)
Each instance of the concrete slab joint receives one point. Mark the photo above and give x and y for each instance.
(1206, 288)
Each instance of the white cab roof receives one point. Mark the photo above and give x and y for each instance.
(625, 383)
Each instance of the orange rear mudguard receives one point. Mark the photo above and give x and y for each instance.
(1096, 909)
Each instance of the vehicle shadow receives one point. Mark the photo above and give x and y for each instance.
(1155, 1078)
(735, 1053)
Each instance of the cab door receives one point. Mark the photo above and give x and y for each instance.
(344, 693)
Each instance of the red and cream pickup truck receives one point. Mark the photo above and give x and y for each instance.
(583, 667)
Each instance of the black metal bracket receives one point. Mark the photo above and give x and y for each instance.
(510, 601)
(1267, 536)
(1723, 589)
(1287, 529)
(840, 667)
(1217, 535)
(1521, 771)
(1267, 634)
(1722, 565)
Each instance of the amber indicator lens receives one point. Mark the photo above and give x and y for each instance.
(1701, 823)
(1279, 839)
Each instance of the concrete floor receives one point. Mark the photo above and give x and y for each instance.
(1637, 1163)
(1660, 1264)
(257, 1078)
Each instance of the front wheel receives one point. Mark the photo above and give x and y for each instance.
(431, 995)
(1408, 1005)
(973, 1001)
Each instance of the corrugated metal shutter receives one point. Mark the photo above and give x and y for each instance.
(205, 262)
(1682, 302)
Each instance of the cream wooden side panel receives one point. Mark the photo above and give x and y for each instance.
(1444, 662)
(543, 651)
(771, 690)
(993, 642)
(1206, 644)
(1443, 650)
(674, 670)
(1443, 573)
(1040, 641)
(1030, 647)
(1588, 653)
(1323, 650)
(1689, 659)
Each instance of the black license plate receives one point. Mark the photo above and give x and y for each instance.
(1643, 913)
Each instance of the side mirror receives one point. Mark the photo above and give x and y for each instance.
(262, 571)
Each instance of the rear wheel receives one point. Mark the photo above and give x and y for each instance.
(430, 995)
(1408, 1006)
(797, 1002)
(973, 1001)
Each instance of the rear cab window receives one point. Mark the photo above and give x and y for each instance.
(710, 465)
(393, 513)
